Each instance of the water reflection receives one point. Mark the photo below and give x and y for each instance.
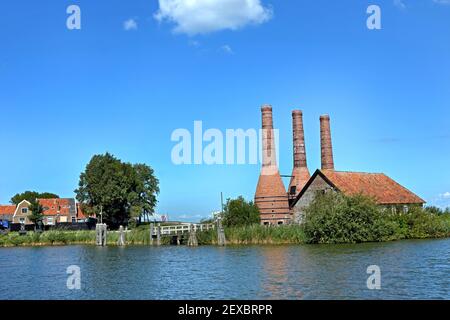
(277, 280)
(410, 270)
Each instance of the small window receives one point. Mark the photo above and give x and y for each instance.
(22, 220)
(293, 190)
(50, 220)
(266, 223)
(280, 223)
(74, 220)
(24, 210)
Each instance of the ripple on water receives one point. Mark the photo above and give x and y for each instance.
(410, 270)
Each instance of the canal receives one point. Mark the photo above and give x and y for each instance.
(417, 269)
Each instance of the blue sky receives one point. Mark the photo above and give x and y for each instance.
(130, 77)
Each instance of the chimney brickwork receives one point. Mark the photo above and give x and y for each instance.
(300, 172)
(326, 147)
(270, 197)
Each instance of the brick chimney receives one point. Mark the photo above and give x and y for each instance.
(300, 172)
(325, 143)
(270, 197)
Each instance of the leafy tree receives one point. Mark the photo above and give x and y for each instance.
(36, 211)
(144, 199)
(120, 190)
(32, 196)
(239, 212)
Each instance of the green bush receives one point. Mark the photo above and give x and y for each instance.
(421, 223)
(333, 217)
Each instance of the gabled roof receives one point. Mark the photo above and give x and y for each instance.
(376, 185)
(56, 206)
(7, 209)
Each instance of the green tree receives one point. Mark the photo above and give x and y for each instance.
(32, 196)
(36, 211)
(121, 190)
(147, 187)
(238, 212)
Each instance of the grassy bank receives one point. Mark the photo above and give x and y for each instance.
(256, 234)
(63, 237)
(414, 225)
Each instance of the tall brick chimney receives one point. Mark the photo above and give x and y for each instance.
(300, 172)
(270, 197)
(325, 143)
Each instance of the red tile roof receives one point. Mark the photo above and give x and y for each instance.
(55, 206)
(377, 185)
(7, 209)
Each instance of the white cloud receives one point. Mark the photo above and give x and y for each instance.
(227, 49)
(445, 195)
(442, 200)
(205, 16)
(130, 24)
(442, 1)
(400, 4)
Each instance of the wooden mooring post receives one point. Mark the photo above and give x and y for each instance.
(151, 233)
(121, 240)
(158, 235)
(192, 241)
(100, 234)
(221, 241)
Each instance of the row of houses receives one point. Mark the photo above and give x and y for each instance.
(55, 211)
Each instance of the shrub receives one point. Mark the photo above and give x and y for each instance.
(333, 217)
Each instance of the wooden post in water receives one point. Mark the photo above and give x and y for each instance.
(121, 241)
(100, 234)
(221, 241)
(192, 242)
(151, 233)
(158, 235)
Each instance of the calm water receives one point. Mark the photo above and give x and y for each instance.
(410, 270)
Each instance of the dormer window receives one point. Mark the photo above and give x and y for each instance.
(24, 210)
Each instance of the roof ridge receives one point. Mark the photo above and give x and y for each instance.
(346, 171)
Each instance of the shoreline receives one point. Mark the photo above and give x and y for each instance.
(139, 237)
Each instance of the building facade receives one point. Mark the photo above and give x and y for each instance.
(278, 206)
(55, 210)
(384, 190)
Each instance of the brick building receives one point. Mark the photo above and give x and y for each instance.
(56, 210)
(270, 196)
